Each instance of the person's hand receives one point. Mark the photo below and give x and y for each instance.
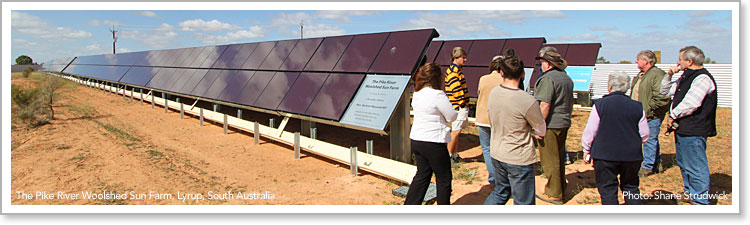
(586, 158)
(538, 137)
(670, 121)
(674, 69)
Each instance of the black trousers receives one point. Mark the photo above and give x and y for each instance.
(431, 157)
(606, 173)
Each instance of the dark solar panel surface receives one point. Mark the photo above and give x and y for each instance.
(526, 48)
(359, 56)
(432, 50)
(139, 75)
(329, 53)
(400, 51)
(206, 82)
(256, 58)
(582, 54)
(482, 52)
(472, 75)
(303, 91)
(334, 96)
(301, 54)
(316, 77)
(252, 89)
(278, 54)
(276, 89)
(444, 55)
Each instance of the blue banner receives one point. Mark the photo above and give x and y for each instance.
(581, 76)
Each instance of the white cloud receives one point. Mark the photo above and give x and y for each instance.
(252, 33)
(654, 26)
(94, 48)
(28, 24)
(96, 22)
(602, 28)
(290, 19)
(159, 37)
(343, 15)
(23, 43)
(514, 16)
(148, 14)
(450, 28)
(123, 50)
(320, 30)
(207, 26)
(700, 13)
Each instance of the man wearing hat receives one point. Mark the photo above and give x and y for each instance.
(554, 90)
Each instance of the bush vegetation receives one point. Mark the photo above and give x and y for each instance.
(35, 104)
(27, 72)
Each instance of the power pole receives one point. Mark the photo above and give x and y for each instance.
(301, 27)
(114, 39)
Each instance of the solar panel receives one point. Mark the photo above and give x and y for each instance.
(301, 54)
(213, 55)
(252, 89)
(334, 96)
(139, 75)
(472, 75)
(172, 56)
(197, 57)
(276, 89)
(358, 57)
(160, 78)
(221, 79)
(329, 53)
(526, 48)
(482, 52)
(444, 56)
(206, 82)
(582, 54)
(186, 75)
(256, 58)
(233, 88)
(193, 81)
(432, 50)
(278, 54)
(301, 94)
(400, 51)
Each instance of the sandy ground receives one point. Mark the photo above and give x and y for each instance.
(123, 152)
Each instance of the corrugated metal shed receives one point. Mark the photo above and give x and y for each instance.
(722, 74)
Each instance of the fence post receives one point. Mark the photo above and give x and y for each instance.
(182, 110)
(256, 133)
(201, 109)
(353, 165)
(225, 124)
(296, 145)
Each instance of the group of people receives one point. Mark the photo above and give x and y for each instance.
(620, 137)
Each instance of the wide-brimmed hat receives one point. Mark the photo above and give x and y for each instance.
(555, 59)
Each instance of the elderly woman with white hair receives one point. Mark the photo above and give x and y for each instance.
(613, 137)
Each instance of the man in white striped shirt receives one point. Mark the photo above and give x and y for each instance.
(693, 118)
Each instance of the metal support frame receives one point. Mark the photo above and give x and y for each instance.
(140, 90)
(226, 124)
(166, 102)
(369, 144)
(256, 133)
(306, 127)
(131, 93)
(152, 98)
(314, 133)
(353, 162)
(270, 123)
(201, 109)
(399, 132)
(239, 113)
(296, 145)
(282, 126)
(182, 109)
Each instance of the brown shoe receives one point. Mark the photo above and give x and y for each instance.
(548, 199)
(645, 172)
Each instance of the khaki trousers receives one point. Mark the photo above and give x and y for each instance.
(552, 154)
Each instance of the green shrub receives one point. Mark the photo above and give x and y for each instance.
(27, 72)
(31, 110)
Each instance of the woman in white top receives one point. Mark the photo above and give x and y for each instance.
(431, 129)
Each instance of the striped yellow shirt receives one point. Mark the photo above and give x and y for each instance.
(455, 86)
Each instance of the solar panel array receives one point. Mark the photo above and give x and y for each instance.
(584, 54)
(287, 75)
(480, 53)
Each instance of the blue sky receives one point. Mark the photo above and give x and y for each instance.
(52, 34)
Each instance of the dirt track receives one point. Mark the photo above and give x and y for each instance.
(103, 143)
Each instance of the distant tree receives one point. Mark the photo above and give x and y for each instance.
(709, 61)
(24, 60)
(602, 60)
(625, 62)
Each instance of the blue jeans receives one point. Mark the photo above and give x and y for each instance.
(651, 150)
(515, 180)
(691, 158)
(484, 141)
